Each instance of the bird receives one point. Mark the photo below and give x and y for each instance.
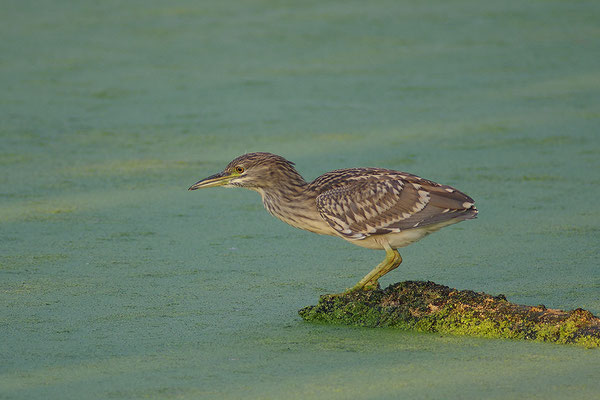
(375, 208)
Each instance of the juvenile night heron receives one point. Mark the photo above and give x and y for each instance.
(369, 207)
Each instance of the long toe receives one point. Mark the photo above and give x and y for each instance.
(366, 287)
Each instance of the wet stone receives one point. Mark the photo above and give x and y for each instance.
(430, 307)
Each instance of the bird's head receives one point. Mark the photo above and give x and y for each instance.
(255, 171)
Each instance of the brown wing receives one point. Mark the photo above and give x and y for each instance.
(389, 202)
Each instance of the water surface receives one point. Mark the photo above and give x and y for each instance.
(115, 282)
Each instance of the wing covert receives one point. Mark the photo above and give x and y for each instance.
(385, 204)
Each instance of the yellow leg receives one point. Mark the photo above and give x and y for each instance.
(397, 261)
(392, 261)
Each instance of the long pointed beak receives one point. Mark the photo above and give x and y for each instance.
(220, 179)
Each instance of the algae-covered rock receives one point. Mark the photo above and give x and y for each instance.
(427, 306)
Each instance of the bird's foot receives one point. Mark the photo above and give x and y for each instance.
(364, 287)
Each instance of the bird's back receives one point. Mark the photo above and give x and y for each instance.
(363, 202)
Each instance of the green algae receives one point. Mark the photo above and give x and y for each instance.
(110, 110)
(429, 307)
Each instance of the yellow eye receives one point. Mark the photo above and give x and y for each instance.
(239, 169)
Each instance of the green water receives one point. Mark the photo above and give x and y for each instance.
(116, 282)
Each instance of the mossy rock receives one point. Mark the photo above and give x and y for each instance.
(429, 307)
